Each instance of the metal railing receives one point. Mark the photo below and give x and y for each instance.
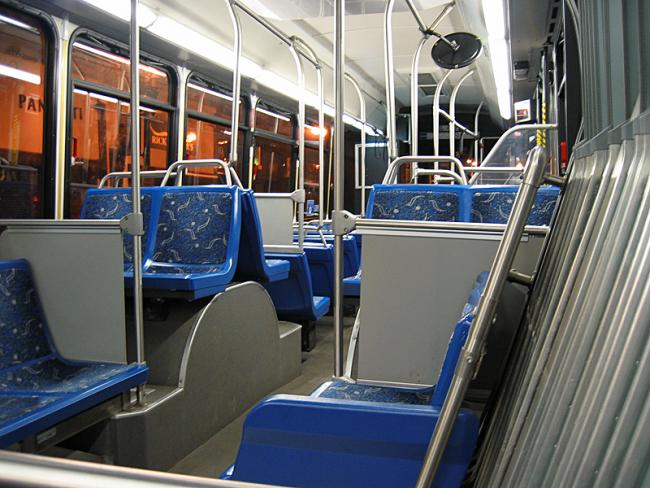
(471, 353)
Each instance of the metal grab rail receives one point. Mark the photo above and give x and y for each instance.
(178, 167)
(505, 135)
(119, 175)
(437, 172)
(391, 173)
(18, 469)
(472, 351)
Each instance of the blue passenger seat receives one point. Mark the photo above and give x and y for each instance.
(38, 387)
(493, 204)
(294, 298)
(321, 266)
(252, 263)
(358, 435)
(418, 202)
(196, 241)
(114, 204)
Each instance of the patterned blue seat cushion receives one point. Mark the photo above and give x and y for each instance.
(194, 228)
(184, 269)
(53, 375)
(22, 330)
(14, 407)
(343, 390)
(415, 205)
(494, 207)
(115, 204)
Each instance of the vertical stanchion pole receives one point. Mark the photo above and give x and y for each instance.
(362, 113)
(236, 84)
(452, 113)
(389, 75)
(436, 115)
(135, 185)
(476, 133)
(339, 155)
(301, 143)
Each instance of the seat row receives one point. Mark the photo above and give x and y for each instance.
(198, 239)
(451, 203)
(38, 387)
(349, 434)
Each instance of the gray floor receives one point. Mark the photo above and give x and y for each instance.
(217, 454)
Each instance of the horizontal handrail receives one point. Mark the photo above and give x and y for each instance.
(493, 169)
(385, 224)
(437, 172)
(391, 173)
(119, 175)
(18, 469)
(179, 166)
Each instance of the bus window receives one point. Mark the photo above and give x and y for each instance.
(312, 167)
(273, 122)
(272, 166)
(208, 133)
(23, 53)
(101, 128)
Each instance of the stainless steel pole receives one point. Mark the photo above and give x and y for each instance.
(389, 78)
(339, 142)
(300, 44)
(236, 83)
(436, 115)
(415, 67)
(362, 109)
(452, 112)
(301, 143)
(476, 139)
(135, 184)
(471, 353)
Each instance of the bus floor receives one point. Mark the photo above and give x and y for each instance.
(218, 453)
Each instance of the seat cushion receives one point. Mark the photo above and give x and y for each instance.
(344, 390)
(415, 204)
(12, 408)
(53, 375)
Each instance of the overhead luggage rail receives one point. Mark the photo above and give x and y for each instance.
(472, 351)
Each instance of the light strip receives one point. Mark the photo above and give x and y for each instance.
(118, 59)
(19, 74)
(17, 23)
(272, 114)
(496, 24)
(187, 38)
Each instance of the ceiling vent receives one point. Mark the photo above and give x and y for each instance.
(521, 69)
(427, 84)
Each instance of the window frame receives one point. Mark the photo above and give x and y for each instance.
(244, 125)
(291, 141)
(47, 188)
(100, 41)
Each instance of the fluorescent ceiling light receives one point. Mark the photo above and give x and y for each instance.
(17, 23)
(118, 59)
(210, 92)
(272, 114)
(190, 39)
(122, 9)
(19, 74)
(496, 23)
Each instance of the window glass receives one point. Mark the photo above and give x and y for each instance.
(23, 52)
(273, 122)
(211, 102)
(272, 166)
(208, 140)
(103, 68)
(101, 124)
(101, 141)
